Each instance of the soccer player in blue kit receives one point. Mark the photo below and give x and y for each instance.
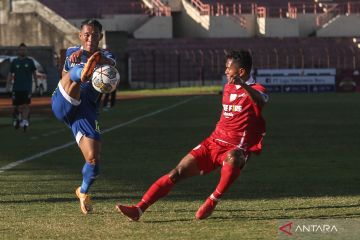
(74, 101)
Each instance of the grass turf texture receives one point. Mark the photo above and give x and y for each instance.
(171, 91)
(309, 169)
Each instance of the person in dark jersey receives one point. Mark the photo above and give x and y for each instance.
(22, 72)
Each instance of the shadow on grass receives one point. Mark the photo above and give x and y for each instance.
(66, 199)
(42, 200)
(334, 216)
(249, 218)
(291, 209)
(190, 210)
(169, 221)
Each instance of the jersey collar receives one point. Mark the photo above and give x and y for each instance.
(82, 48)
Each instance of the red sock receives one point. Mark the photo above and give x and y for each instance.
(159, 189)
(228, 176)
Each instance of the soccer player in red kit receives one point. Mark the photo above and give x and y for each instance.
(238, 133)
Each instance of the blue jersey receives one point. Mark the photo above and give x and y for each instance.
(84, 57)
(79, 115)
(87, 91)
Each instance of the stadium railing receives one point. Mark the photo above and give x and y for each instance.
(201, 61)
(159, 8)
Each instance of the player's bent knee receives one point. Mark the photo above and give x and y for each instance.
(92, 158)
(236, 158)
(91, 161)
(176, 174)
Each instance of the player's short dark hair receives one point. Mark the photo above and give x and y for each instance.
(22, 45)
(92, 22)
(242, 58)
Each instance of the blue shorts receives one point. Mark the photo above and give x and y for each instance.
(79, 115)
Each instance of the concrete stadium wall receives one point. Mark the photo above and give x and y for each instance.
(226, 26)
(307, 24)
(174, 4)
(155, 27)
(251, 24)
(124, 22)
(34, 24)
(191, 24)
(187, 27)
(30, 29)
(341, 26)
(281, 27)
(4, 9)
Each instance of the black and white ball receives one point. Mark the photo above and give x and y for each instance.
(105, 78)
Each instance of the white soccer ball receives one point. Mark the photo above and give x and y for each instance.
(105, 78)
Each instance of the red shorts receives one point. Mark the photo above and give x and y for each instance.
(210, 154)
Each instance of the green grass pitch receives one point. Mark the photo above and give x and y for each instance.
(309, 168)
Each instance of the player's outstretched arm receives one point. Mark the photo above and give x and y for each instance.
(255, 95)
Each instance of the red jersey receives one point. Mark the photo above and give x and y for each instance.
(241, 123)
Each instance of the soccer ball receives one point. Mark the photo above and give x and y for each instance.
(105, 78)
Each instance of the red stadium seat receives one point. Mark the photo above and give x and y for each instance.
(78, 9)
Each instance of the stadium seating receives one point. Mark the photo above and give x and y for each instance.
(176, 61)
(78, 9)
(193, 60)
(278, 8)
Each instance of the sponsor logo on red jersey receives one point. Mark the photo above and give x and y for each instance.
(239, 123)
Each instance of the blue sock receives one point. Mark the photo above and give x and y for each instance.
(75, 73)
(89, 172)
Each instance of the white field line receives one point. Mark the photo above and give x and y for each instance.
(47, 134)
(55, 149)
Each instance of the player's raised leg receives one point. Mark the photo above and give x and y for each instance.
(70, 81)
(160, 188)
(90, 66)
(230, 171)
(91, 151)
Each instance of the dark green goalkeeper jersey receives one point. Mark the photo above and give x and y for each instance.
(23, 69)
